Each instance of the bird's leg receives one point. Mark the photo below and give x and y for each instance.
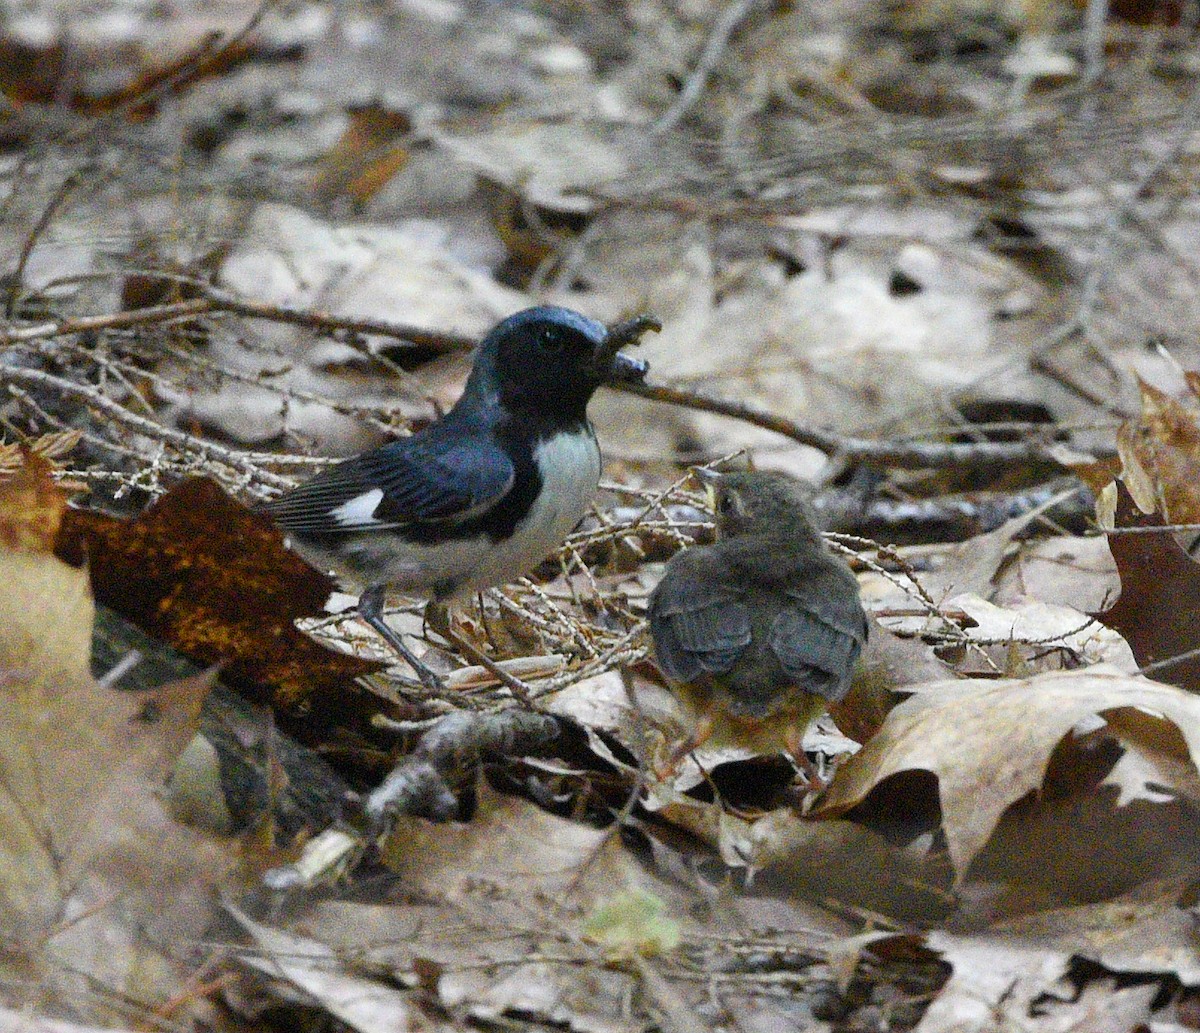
(370, 609)
(701, 733)
(794, 743)
(437, 617)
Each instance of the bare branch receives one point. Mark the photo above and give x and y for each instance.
(909, 455)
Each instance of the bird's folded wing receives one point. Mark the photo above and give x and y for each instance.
(404, 482)
(697, 619)
(817, 642)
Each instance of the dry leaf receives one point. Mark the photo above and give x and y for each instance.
(363, 1004)
(1160, 456)
(1145, 931)
(1000, 985)
(953, 730)
(97, 883)
(31, 506)
(212, 578)
(1160, 596)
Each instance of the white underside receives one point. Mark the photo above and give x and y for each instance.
(570, 465)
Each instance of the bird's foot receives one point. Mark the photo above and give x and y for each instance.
(669, 768)
(370, 609)
(811, 779)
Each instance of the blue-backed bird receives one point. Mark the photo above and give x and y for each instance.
(484, 494)
(759, 631)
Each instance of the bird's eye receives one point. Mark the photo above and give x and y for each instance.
(725, 505)
(550, 342)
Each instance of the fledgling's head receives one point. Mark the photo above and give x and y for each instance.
(762, 502)
(552, 359)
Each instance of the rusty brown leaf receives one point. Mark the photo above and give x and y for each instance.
(214, 579)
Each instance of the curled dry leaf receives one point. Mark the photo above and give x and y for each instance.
(31, 506)
(1160, 456)
(989, 743)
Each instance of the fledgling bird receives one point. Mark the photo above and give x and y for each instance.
(758, 632)
(484, 494)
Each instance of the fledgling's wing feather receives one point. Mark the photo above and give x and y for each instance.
(818, 636)
(817, 655)
(427, 478)
(697, 619)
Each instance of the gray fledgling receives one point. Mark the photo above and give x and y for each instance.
(759, 632)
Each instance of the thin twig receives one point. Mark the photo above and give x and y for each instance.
(50, 329)
(718, 40)
(909, 455)
(35, 234)
(184, 442)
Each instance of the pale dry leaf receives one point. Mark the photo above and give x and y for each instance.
(498, 895)
(364, 1004)
(408, 274)
(14, 1021)
(97, 883)
(1102, 1006)
(954, 730)
(481, 957)
(555, 164)
(1047, 625)
(1064, 571)
(974, 564)
(518, 850)
(1145, 931)
(996, 983)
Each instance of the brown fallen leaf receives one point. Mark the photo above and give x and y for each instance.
(360, 164)
(1160, 596)
(212, 578)
(989, 743)
(31, 506)
(1148, 930)
(1160, 456)
(99, 887)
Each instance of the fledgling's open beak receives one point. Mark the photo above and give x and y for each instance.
(609, 361)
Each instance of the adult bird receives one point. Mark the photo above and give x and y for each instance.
(484, 494)
(758, 632)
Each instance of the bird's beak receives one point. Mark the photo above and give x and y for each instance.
(610, 363)
(709, 479)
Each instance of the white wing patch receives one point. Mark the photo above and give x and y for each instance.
(360, 510)
(570, 465)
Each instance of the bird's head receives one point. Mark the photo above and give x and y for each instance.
(760, 502)
(552, 359)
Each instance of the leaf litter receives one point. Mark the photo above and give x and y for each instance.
(1012, 818)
